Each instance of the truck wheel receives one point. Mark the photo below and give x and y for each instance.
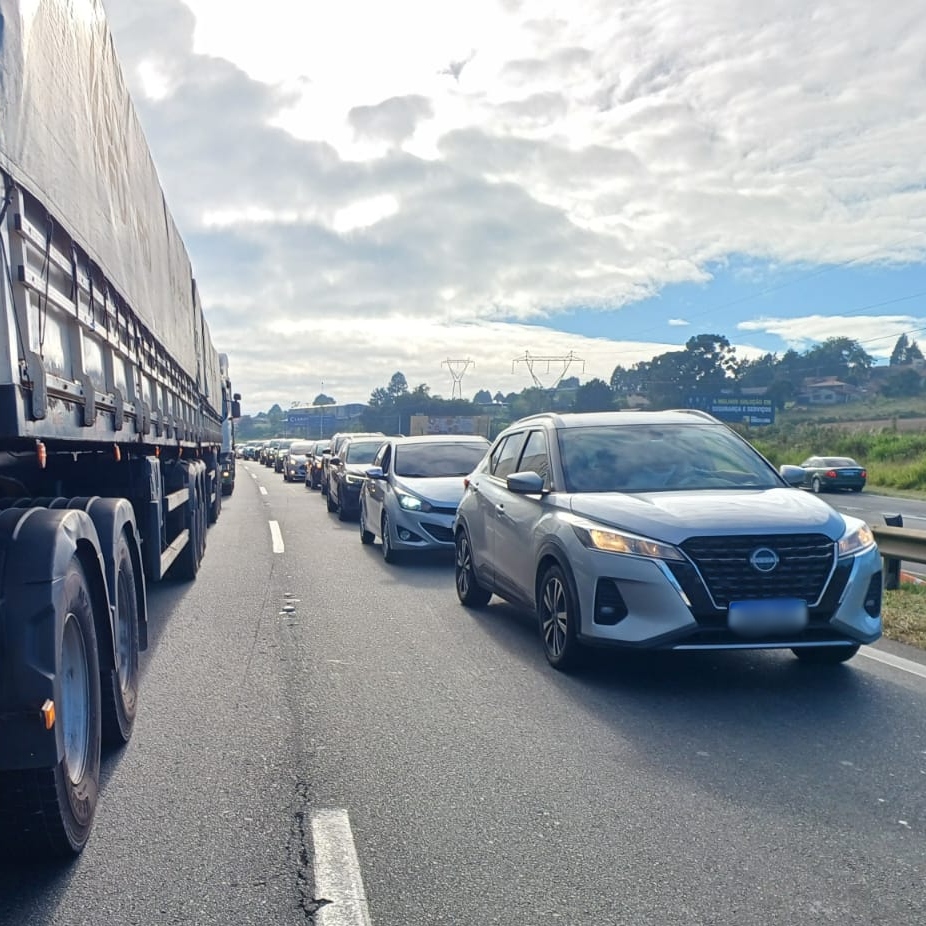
(203, 506)
(186, 565)
(215, 507)
(119, 686)
(50, 811)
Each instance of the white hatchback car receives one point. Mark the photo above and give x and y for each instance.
(410, 494)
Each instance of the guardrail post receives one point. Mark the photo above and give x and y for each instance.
(890, 564)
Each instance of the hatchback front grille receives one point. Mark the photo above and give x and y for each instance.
(804, 564)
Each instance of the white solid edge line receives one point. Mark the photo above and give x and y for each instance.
(898, 662)
(277, 537)
(337, 871)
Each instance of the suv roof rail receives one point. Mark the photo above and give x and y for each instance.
(698, 413)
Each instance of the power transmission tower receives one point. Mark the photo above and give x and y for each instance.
(457, 369)
(532, 364)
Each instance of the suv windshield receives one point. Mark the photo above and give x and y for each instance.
(653, 458)
(362, 451)
(439, 459)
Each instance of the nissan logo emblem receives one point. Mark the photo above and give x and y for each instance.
(763, 559)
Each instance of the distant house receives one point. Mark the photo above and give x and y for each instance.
(828, 391)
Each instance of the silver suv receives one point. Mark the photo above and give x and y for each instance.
(662, 530)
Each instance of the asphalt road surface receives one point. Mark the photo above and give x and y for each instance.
(317, 725)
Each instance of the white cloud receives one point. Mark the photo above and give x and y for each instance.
(587, 155)
(877, 333)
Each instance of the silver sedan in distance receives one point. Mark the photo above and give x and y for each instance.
(410, 494)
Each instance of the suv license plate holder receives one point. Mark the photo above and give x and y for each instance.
(767, 617)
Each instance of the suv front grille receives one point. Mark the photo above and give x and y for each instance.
(805, 562)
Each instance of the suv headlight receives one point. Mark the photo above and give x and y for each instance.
(856, 539)
(614, 541)
(352, 480)
(411, 502)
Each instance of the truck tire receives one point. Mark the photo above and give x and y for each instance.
(50, 811)
(218, 487)
(186, 565)
(119, 686)
(203, 505)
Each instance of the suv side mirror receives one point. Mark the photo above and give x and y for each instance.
(793, 475)
(525, 483)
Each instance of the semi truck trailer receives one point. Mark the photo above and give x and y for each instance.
(113, 406)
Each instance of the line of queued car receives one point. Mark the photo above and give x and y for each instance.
(644, 530)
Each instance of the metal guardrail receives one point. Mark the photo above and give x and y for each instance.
(896, 544)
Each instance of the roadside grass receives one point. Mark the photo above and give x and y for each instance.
(903, 613)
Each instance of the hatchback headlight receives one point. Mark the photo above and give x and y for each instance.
(411, 502)
(613, 541)
(855, 540)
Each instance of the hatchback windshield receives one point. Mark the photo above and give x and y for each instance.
(651, 458)
(439, 459)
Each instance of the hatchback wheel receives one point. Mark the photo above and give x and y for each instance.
(389, 553)
(366, 537)
(558, 614)
(469, 591)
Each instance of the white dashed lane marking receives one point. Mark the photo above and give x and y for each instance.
(337, 871)
(277, 537)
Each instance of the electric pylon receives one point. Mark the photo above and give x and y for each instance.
(532, 362)
(457, 369)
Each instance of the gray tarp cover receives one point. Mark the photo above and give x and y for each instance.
(70, 136)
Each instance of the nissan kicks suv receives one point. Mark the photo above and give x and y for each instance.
(662, 530)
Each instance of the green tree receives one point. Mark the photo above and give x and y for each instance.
(398, 385)
(594, 396)
(275, 419)
(380, 398)
(322, 399)
(902, 383)
(905, 352)
(841, 357)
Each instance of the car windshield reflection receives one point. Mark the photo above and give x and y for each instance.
(361, 452)
(428, 461)
(655, 459)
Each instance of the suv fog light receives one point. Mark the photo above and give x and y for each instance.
(873, 597)
(610, 607)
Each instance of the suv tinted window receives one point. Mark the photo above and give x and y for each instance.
(535, 457)
(651, 458)
(505, 457)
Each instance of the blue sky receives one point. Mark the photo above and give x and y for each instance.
(878, 303)
(370, 188)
